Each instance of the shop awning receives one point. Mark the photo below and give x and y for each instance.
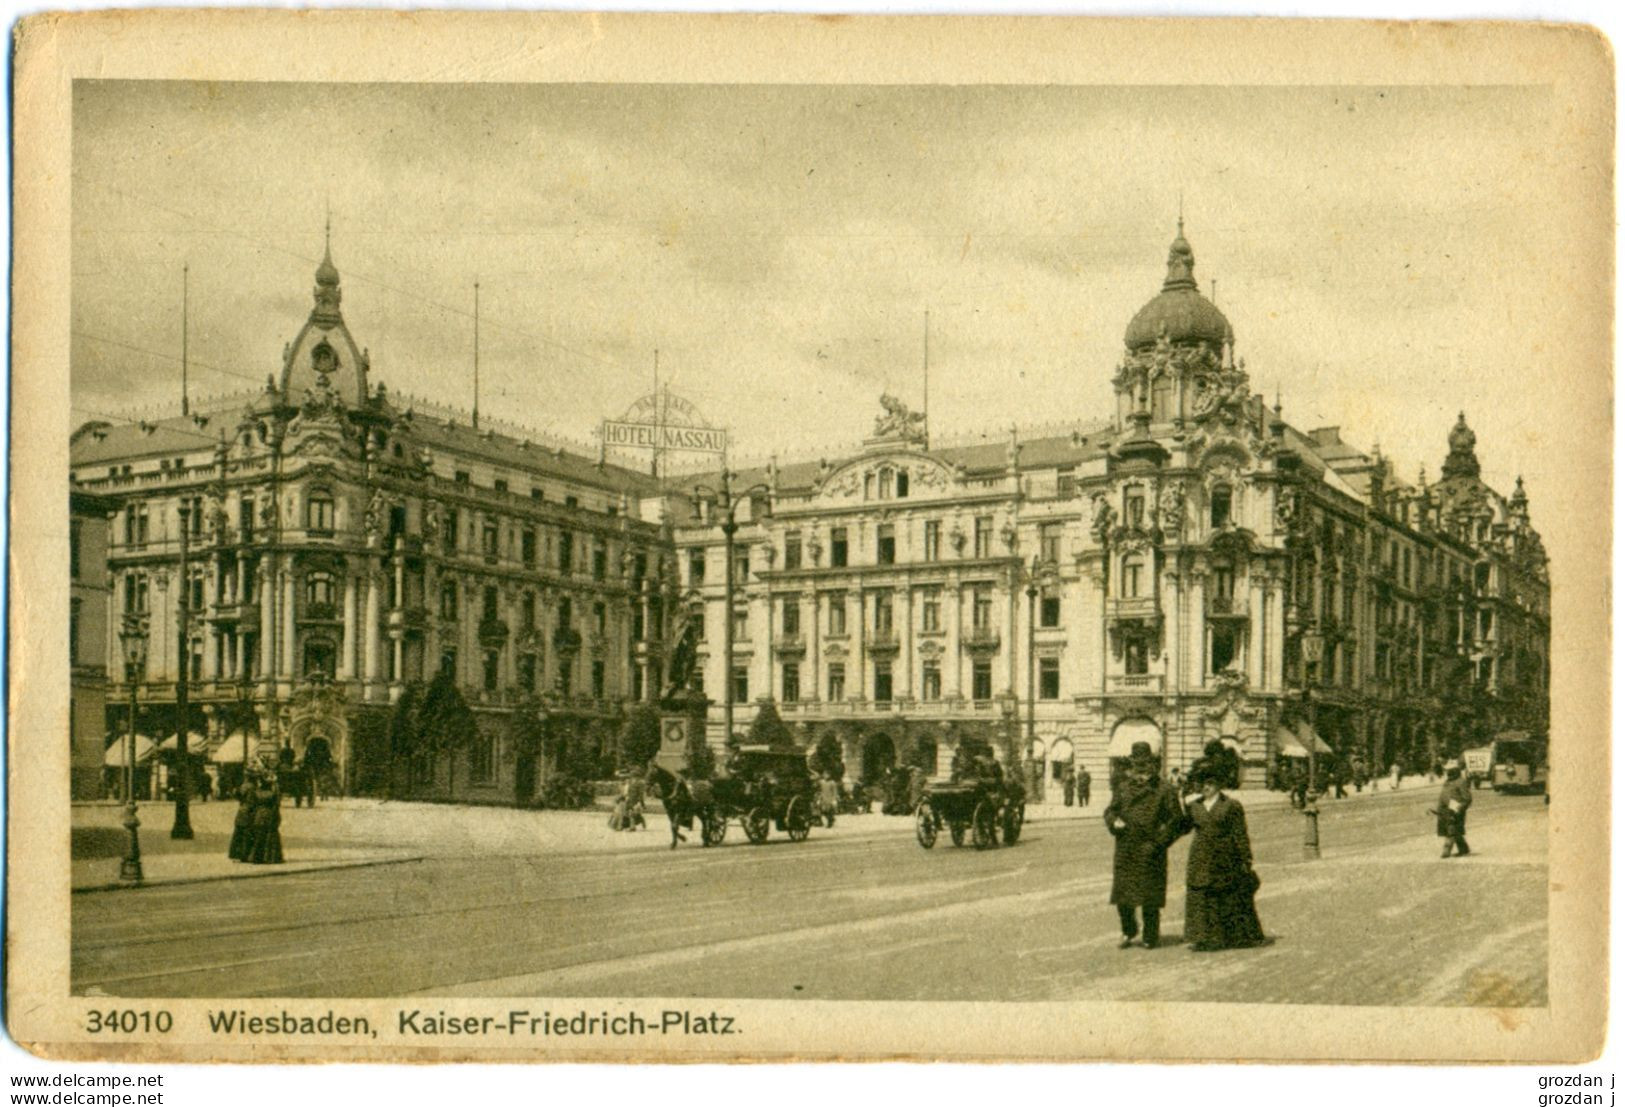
(1296, 743)
(230, 751)
(114, 755)
(195, 742)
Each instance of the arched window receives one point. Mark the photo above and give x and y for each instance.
(319, 512)
(1219, 505)
(1133, 577)
(886, 483)
(448, 599)
(902, 483)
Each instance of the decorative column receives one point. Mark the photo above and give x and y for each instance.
(348, 640)
(956, 656)
(815, 659)
(369, 626)
(267, 638)
(288, 667)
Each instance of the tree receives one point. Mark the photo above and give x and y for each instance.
(405, 734)
(447, 723)
(767, 729)
(826, 758)
(640, 741)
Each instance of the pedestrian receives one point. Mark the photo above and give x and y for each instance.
(1069, 788)
(1219, 878)
(1083, 787)
(1454, 799)
(634, 803)
(1143, 816)
(265, 845)
(1300, 784)
(1340, 776)
(829, 798)
(1398, 773)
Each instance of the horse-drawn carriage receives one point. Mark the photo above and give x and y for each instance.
(764, 788)
(985, 804)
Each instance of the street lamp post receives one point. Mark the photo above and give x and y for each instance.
(133, 637)
(726, 500)
(244, 697)
(1038, 576)
(183, 765)
(1311, 645)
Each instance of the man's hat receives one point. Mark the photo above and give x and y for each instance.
(1141, 757)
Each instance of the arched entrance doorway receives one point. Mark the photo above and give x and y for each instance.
(1060, 759)
(1126, 734)
(879, 758)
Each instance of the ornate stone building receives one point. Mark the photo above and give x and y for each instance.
(342, 547)
(1159, 576)
(1191, 568)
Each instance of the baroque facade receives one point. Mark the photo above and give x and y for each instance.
(1159, 576)
(1190, 569)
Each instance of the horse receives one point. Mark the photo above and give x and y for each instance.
(683, 800)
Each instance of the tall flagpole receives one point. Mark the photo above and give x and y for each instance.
(925, 408)
(476, 353)
(186, 407)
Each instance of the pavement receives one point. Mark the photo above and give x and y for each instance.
(857, 912)
(349, 832)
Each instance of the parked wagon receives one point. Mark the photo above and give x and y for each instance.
(763, 788)
(983, 806)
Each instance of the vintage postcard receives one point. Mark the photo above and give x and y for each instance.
(694, 538)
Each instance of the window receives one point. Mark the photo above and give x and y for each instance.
(245, 518)
(1049, 678)
(135, 593)
(73, 548)
(902, 483)
(572, 501)
(792, 617)
(500, 484)
(73, 632)
(565, 613)
(493, 666)
(984, 536)
(488, 541)
(397, 521)
(527, 672)
(640, 566)
(637, 623)
(882, 681)
(194, 515)
(790, 683)
(1049, 611)
(885, 482)
(931, 609)
(1224, 583)
(837, 681)
(448, 599)
(696, 566)
(135, 525)
(481, 756)
(448, 537)
(1133, 570)
(598, 680)
(1134, 507)
(837, 615)
(982, 607)
(981, 680)
(637, 683)
(1134, 659)
(536, 494)
(567, 551)
(462, 477)
(1219, 505)
(837, 548)
(600, 560)
(194, 591)
(883, 623)
(741, 624)
(448, 661)
(886, 545)
(1049, 543)
(488, 603)
(319, 659)
(741, 684)
(527, 546)
(600, 618)
(792, 551)
(562, 676)
(1225, 648)
(741, 564)
(933, 539)
(931, 682)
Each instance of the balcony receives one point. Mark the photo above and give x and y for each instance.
(1227, 607)
(980, 640)
(882, 642)
(235, 613)
(318, 613)
(790, 645)
(493, 632)
(415, 617)
(1135, 684)
(1137, 607)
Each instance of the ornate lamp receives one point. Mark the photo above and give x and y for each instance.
(133, 637)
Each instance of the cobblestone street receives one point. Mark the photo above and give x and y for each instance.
(860, 912)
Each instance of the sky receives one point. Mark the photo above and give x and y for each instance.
(1385, 256)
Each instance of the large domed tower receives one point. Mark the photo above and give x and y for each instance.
(1177, 365)
(324, 361)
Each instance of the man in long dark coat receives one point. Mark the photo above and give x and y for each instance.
(1454, 799)
(1144, 818)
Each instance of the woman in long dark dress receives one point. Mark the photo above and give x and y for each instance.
(265, 846)
(242, 830)
(1219, 878)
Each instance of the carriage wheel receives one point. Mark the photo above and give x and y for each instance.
(925, 824)
(756, 826)
(797, 819)
(716, 828)
(1014, 816)
(984, 830)
(956, 831)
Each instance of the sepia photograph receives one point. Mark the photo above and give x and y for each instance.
(681, 550)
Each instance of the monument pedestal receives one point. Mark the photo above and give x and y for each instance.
(682, 729)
